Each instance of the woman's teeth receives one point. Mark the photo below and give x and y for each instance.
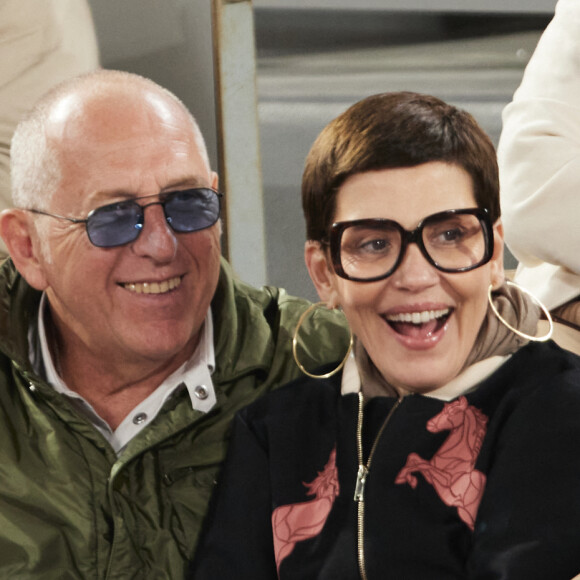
(153, 287)
(418, 317)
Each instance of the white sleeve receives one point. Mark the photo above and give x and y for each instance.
(539, 159)
(43, 42)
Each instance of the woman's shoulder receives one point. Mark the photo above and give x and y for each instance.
(558, 375)
(536, 371)
(546, 361)
(537, 380)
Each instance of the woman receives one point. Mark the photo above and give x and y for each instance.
(447, 445)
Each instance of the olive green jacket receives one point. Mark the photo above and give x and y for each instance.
(69, 507)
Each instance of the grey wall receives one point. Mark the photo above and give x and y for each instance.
(169, 41)
(481, 6)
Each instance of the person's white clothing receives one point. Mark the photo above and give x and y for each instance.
(42, 42)
(539, 159)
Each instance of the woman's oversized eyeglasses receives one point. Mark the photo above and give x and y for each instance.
(116, 224)
(456, 240)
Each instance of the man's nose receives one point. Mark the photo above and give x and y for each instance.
(157, 239)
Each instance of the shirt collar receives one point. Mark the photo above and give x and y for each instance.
(194, 374)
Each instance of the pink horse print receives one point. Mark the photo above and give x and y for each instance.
(451, 470)
(301, 521)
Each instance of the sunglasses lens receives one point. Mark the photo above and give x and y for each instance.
(120, 223)
(115, 224)
(192, 209)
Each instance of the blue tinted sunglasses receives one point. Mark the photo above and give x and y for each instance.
(120, 223)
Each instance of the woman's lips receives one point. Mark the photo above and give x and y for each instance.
(422, 325)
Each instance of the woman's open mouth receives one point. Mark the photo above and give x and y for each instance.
(423, 324)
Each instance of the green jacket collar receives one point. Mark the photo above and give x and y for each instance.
(242, 332)
(18, 309)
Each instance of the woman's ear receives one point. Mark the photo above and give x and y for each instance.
(18, 232)
(321, 273)
(497, 270)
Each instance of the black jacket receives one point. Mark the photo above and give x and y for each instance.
(485, 486)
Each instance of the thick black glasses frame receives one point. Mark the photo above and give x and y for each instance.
(411, 237)
(165, 198)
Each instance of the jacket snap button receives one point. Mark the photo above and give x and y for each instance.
(139, 418)
(201, 392)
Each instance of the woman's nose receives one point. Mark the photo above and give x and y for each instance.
(415, 272)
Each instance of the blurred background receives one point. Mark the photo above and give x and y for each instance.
(299, 63)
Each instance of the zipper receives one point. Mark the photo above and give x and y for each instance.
(362, 475)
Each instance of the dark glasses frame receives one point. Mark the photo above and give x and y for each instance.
(164, 199)
(410, 237)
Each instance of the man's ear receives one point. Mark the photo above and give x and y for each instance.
(323, 277)
(497, 270)
(19, 234)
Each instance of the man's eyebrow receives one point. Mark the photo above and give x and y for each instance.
(189, 181)
(110, 196)
(106, 196)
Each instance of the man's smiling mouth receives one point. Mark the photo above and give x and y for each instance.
(153, 287)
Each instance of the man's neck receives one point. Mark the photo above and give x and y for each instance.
(115, 390)
(112, 385)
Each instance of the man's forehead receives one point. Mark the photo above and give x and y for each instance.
(166, 110)
(65, 108)
(119, 140)
(111, 104)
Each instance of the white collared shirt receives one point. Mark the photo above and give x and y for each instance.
(194, 375)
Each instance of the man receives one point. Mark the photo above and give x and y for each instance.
(126, 344)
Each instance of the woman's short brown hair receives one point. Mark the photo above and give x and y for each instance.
(391, 130)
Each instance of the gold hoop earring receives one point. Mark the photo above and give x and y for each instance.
(295, 344)
(546, 312)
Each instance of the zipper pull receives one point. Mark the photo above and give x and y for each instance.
(361, 478)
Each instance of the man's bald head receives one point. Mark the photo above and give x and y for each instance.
(78, 108)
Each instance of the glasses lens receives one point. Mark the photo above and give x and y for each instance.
(115, 224)
(192, 209)
(368, 251)
(455, 242)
